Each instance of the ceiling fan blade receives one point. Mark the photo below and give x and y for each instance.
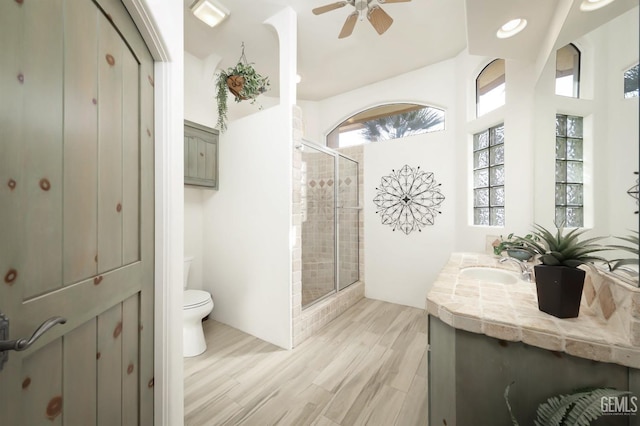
(329, 7)
(393, 1)
(380, 20)
(348, 26)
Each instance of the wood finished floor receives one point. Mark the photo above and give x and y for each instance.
(367, 367)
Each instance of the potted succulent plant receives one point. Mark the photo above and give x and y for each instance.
(559, 282)
(243, 82)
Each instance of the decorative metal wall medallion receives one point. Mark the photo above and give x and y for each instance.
(633, 191)
(408, 199)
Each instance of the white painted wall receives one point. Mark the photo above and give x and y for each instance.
(199, 90)
(199, 107)
(193, 234)
(400, 268)
(246, 224)
(246, 249)
(610, 124)
(622, 131)
(517, 116)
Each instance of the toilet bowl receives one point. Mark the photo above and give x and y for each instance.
(197, 304)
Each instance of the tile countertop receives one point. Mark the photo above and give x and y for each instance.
(510, 312)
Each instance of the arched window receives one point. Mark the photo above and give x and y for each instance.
(490, 87)
(386, 122)
(631, 89)
(568, 71)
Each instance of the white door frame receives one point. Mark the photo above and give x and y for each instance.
(161, 26)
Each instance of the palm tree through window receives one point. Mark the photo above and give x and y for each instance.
(386, 122)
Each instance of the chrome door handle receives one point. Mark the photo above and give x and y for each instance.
(24, 343)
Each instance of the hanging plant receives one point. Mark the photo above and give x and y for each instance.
(243, 82)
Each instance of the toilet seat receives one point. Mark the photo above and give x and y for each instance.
(195, 298)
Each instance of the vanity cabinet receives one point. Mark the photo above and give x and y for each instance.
(200, 155)
(469, 372)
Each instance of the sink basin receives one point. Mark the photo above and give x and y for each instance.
(489, 274)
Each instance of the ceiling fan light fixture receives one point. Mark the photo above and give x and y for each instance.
(211, 12)
(379, 19)
(511, 28)
(591, 5)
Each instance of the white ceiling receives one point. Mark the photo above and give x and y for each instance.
(424, 32)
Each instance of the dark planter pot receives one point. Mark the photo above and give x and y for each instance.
(559, 290)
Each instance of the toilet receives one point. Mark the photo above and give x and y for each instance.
(197, 305)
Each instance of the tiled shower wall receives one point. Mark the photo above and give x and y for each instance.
(307, 322)
(318, 225)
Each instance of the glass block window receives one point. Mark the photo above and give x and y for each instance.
(631, 89)
(490, 87)
(568, 71)
(488, 177)
(569, 175)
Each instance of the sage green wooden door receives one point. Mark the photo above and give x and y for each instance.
(76, 213)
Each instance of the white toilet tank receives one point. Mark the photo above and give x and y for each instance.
(187, 266)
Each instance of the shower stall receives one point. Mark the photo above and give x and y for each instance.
(330, 221)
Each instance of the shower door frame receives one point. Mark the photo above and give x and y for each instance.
(336, 208)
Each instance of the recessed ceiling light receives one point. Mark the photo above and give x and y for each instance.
(590, 5)
(511, 28)
(210, 12)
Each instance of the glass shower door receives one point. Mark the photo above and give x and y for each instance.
(348, 219)
(318, 224)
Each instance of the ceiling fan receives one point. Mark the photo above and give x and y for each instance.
(380, 20)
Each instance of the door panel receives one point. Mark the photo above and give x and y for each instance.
(110, 54)
(41, 396)
(40, 77)
(109, 364)
(130, 353)
(131, 161)
(79, 381)
(80, 142)
(76, 213)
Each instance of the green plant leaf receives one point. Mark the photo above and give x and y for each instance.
(588, 407)
(622, 262)
(548, 259)
(254, 85)
(633, 250)
(553, 411)
(532, 245)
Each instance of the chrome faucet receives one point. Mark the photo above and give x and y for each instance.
(525, 271)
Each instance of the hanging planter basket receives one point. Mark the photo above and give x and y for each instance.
(235, 83)
(243, 82)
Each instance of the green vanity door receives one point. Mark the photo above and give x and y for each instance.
(76, 214)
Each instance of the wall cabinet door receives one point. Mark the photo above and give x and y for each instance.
(200, 155)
